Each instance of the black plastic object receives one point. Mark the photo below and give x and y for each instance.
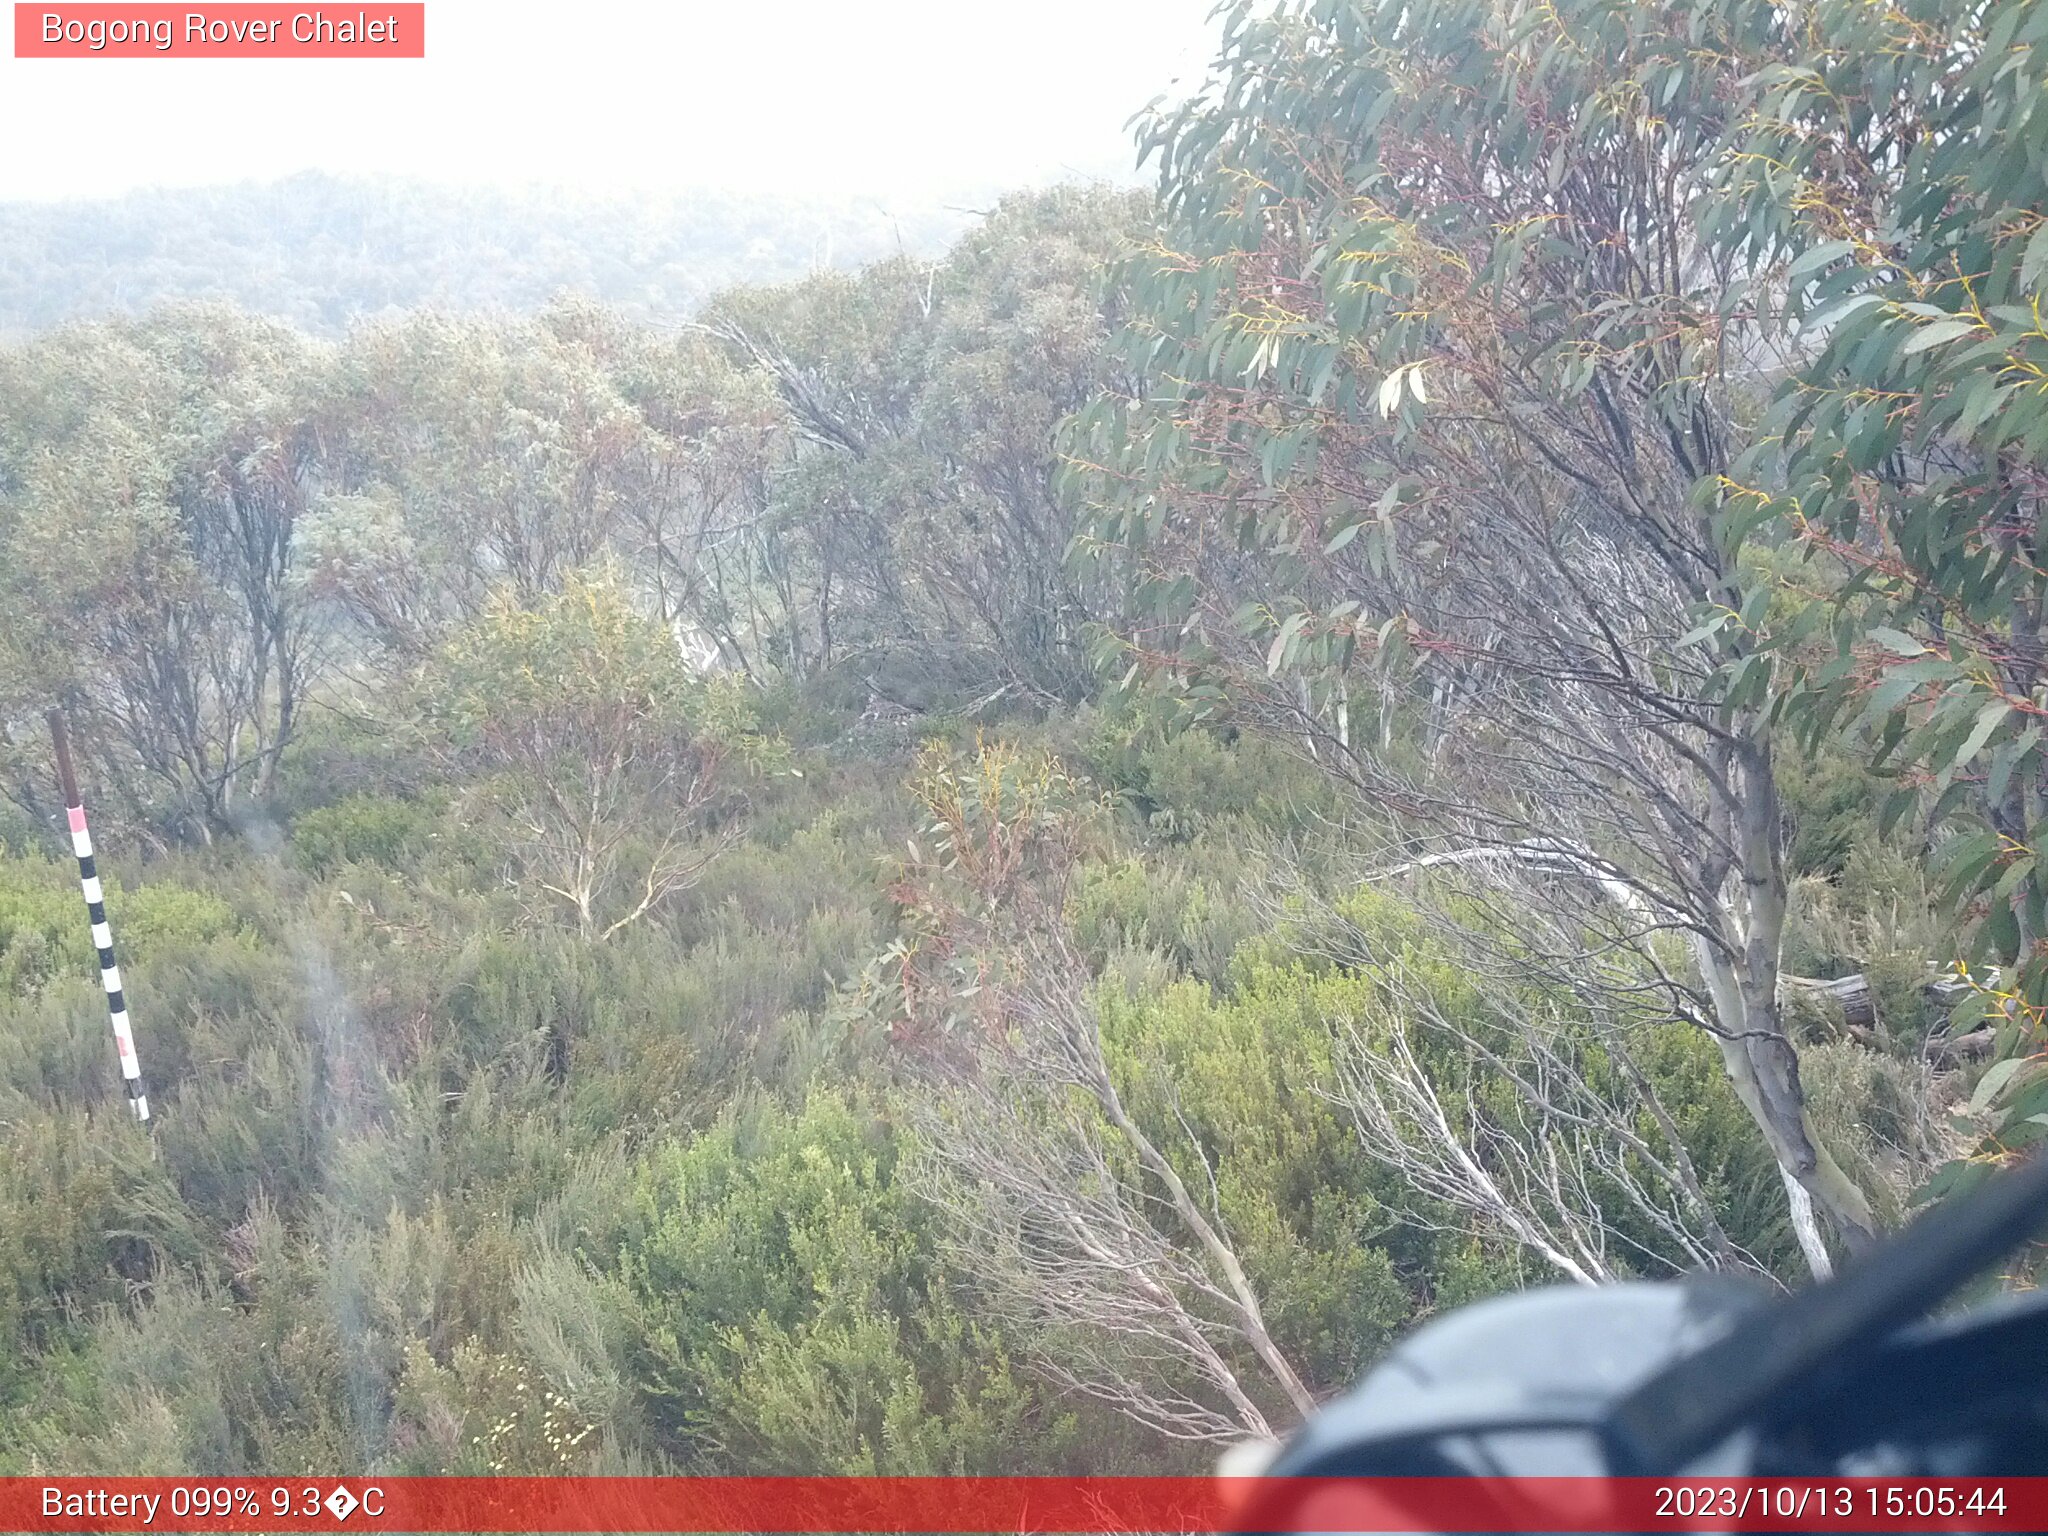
(1521, 1385)
(1713, 1376)
(1818, 1337)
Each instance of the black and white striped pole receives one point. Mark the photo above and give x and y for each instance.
(96, 911)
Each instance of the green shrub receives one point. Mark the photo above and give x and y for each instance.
(83, 1213)
(365, 829)
(1236, 1090)
(1878, 1115)
(1163, 907)
(43, 930)
(789, 1313)
(1180, 780)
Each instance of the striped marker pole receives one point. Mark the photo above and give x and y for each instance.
(96, 910)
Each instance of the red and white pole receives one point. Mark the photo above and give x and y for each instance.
(96, 911)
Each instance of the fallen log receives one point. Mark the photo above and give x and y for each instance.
(1853, 995)
(1947, 1050)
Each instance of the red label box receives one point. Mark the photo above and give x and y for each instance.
(231, 31)
(1003, 1506)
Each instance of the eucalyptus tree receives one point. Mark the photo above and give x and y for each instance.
(153, 475)
(1888, 178)
(1441, 383)
(1023, 312)
(1072, 1212)
(916, 519)
(611, 771)
(846, 352)
(698, 528)
(470, 455)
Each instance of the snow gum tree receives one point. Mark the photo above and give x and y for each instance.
(1442, 383)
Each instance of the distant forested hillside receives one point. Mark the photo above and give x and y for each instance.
(319, 250)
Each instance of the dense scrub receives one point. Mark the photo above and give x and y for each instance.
(433, 1188)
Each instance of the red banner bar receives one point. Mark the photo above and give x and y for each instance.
(228, 31)
(1010, 1504)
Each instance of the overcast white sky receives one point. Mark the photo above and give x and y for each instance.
(916, 99)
